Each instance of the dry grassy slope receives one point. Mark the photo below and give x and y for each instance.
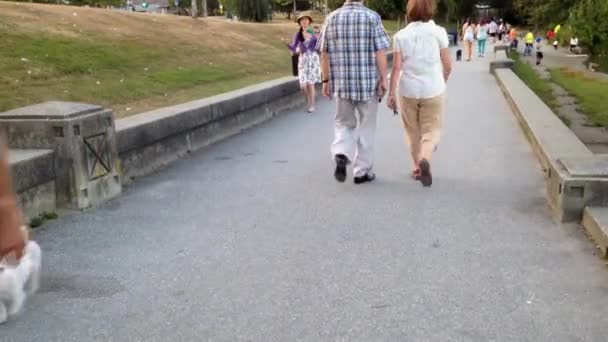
(252, 51)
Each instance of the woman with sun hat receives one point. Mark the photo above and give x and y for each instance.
(309, 65)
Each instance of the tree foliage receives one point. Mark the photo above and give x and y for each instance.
(253, 10)
(387, 8)
(588, 23)
(542, 14)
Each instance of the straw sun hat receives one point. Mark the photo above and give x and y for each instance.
(304, 15)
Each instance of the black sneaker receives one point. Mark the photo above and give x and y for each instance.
(368, 177)
(425, 173)
(341, 162)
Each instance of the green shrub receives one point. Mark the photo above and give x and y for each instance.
(253, 10)
(589, 24)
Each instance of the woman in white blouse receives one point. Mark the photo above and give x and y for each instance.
(421, 67)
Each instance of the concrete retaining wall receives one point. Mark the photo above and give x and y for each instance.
(145, 141)
(33, 175)
(576, 178)
(150, 140)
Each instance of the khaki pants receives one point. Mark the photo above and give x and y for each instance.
(422, 119)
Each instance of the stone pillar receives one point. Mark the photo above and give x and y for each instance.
(83, 138)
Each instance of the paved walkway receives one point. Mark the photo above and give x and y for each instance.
(253, 240)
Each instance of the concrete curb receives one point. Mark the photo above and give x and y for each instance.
(501, 59)
(569, 188)
(595, 222)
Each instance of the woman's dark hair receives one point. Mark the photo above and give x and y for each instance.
(301, 34)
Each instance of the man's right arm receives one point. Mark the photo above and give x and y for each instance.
(382, 66)
(381, 44)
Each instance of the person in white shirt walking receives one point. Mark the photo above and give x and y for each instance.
(501, 31)
(493, 30)
(573, 44)
(468, 37)
(421, 67)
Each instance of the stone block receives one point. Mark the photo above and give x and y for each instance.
(501, 61)
(502, 47)
(595, 222)
(30, 168)
(82, 137)
(33, 176)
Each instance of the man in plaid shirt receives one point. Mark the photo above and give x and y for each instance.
(353, 64)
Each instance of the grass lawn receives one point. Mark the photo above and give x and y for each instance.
(530, 77)
(590, 93)
(130, 62)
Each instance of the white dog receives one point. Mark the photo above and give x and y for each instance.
(14, 279)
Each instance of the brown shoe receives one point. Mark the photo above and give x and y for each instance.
(425, 173)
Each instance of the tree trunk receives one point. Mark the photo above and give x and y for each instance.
(204, 9)
(194, 10)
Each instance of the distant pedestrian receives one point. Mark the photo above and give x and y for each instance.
(539, 54)
(421, 68)
(513, 38)
(501, 30)
(573, 44)
(309, 72)
(353, 57)
(493, 29)
(482, 37)
(468, 36)
(529, 44)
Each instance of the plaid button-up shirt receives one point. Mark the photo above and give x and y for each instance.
(351, 36)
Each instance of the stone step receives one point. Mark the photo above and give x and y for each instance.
(595, 222)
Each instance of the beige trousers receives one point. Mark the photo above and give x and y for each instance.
(422, 119)
(355, 132)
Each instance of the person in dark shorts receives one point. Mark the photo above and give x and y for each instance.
(501, 30)
(294, 63)
(493, 29)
